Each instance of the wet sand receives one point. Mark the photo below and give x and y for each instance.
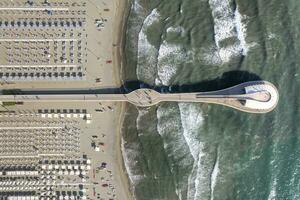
(119, 35)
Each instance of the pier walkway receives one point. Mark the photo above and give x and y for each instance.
(254, 97)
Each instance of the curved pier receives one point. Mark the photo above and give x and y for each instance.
(253, 97)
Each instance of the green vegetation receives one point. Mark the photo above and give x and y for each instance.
(11, 92)
(8, 103)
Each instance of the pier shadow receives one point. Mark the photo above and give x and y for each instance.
(226, 80)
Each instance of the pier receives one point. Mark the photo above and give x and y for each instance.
(253, 97)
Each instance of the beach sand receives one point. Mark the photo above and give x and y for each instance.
(100, 47)
(104, 62)
(103, 131)
(119, 35)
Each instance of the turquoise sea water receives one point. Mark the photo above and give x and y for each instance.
(199, 151)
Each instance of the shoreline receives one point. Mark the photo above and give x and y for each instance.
(118, 48)
(119, 38)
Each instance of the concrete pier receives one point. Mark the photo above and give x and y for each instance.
(253, 97)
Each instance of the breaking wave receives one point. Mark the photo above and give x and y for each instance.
(185, 149)
(178, 29)
(130, 156)
(230, 32)
(169, 59)
(182, 153)
(176, 148)
(272, 194)
(147, 52)
(214, 176)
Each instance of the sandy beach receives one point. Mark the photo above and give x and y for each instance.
(54, 53)
(119, 35)
(102, 63)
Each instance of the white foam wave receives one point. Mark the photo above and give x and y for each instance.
(184, 140)
(223, 20)
(129, 156)
(214, 176)
(192, 120)
(169, 128)
(272, 194)
(241, 28)
(165, 74)
(142, 112)
(212, 56)
(165, 69)
(136, 6)
(170, 56)
(200, 181)
(178, 29)
(221, 55)
(200, 178)
(147, 53)
(272, 36)
(229, 24)
(227, 53)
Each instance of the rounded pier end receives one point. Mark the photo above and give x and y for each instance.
(263, 97)
(252, 97)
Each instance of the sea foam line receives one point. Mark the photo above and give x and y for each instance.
(272, 194)
(128, 156)
(228, 24)
(147, 53)
(192, 120)
(200, 187)
(175, 145)
(214, 176)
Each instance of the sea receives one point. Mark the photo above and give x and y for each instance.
(194, 151)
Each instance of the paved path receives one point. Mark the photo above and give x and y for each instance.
(37, 66)
(37, 40)
(34, 8)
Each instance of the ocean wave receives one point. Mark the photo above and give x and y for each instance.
(271, 36)
(201, 180)
(170, 57)
(178, 29)
(139, 119)
(241, 28)
(136, 6)
(157, 65)
(272, 194)
(223, 20)
(147, 53)
(136, 21)
(165, 69)
(185, 149)
(192, 120)
(176, 148)
(229, 24)
(130, 154)
(213, 177)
